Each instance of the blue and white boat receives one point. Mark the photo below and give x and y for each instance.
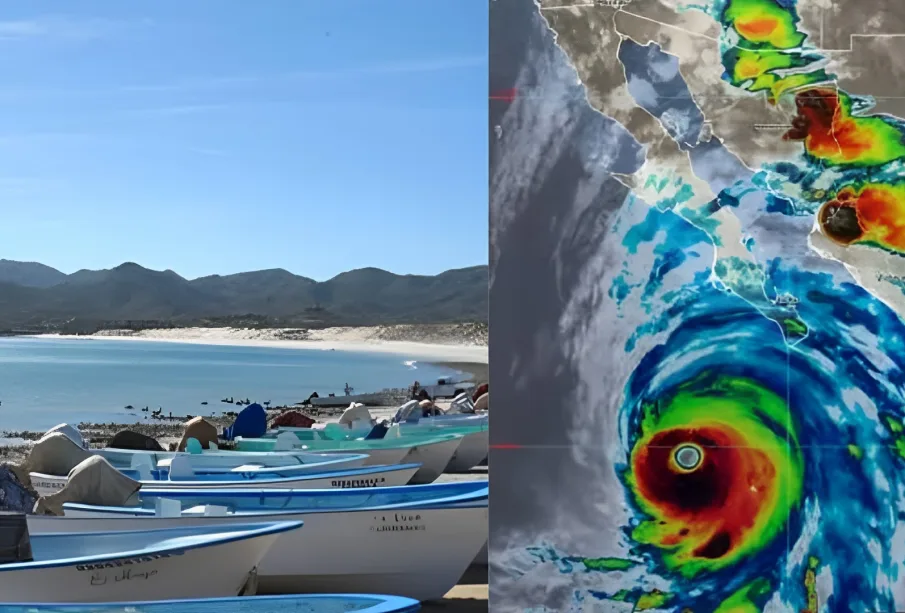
(471, 451)
(319, 603)
(277, 462)
(147, 562)
(414, 541)
(179, 474)
(433, 451)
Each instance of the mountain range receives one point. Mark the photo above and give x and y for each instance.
(34, 295)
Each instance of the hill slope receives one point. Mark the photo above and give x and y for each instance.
(29, 274)
(31, 294)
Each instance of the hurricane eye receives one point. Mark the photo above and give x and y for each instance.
(688, 457)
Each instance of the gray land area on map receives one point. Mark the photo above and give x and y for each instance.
(864, 42)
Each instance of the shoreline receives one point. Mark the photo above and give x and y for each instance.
(359, 340)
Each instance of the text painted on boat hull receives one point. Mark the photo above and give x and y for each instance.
(343, 483)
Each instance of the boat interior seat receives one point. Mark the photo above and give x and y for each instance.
(142, 465)
(167, 507)
(208, 510)
(181, 469)
(285, 441)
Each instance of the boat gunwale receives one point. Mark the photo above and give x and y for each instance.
(287, 453)
(240, 532)
(213, 483)
(386, 603)
(475, 499)
(391, 443)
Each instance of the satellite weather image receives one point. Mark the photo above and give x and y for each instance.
(719, 351)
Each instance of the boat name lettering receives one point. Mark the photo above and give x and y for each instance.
(342, 483)
(398, 522)
(127, 574)
(127, 561)
(49, 485)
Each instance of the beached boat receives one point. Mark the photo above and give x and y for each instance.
(344, 401)
(413, 541)
(145, 563)
(238, 461)
(313, 603)
(471, 451)
(433, 452)
(180, 474)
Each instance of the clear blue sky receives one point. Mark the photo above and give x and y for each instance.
(218, 136)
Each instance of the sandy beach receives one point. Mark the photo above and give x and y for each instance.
(445, 343)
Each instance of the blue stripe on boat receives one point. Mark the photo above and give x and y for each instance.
(323, 603)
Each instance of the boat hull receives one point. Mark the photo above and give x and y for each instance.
(387, 457)
(345, 401)
(213, 571)
(377, 456)
(300, 461)
(471, 452)
(433, 457)
(483, 557)
(390, 476)
(416, 553)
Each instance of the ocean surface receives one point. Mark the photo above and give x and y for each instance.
(44, 382)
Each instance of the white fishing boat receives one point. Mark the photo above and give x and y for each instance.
(414, 541)
(472, 449)
(344, 401)
(433, 452)
(147, 562)
(241, 461)
(180, 475)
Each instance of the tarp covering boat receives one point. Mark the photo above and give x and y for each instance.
(405, 411)
(14, 495)
(94, 481)
(461, 404)
(379, 431)
(355, 412)
(15, 544)
(127, 439)
(55, 454)
(480, 391)
(199, 429)
(69, 431)
(292, 419)
(482, 403)
(251, 422)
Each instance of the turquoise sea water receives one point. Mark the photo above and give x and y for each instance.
(44, 382)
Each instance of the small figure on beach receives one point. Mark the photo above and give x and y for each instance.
(129, 407)
(348, 390)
